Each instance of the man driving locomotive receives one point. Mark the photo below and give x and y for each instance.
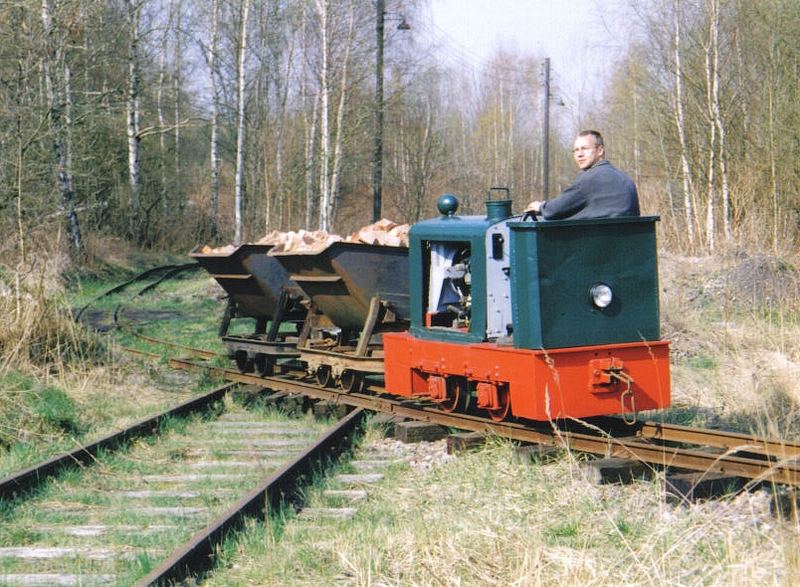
(600, 191)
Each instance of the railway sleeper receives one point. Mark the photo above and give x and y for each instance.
(614, 470)
(695, 486)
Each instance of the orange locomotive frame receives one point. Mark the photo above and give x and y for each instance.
(575, 382)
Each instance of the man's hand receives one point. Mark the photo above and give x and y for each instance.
(535, 207)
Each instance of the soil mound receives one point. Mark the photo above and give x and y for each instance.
(756, 281)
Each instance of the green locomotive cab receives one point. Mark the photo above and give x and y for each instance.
(584, 282)
(535, 285)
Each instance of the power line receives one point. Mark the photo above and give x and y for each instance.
(466, 58)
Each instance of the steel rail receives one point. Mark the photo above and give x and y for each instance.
(142, 353)
(648, 430)
(663, 432)
(169, 269)
(198, 554)
(203, 354)
(784, 471)
(30, 478)
(734, 441)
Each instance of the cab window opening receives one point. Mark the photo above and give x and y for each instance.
(448, 280)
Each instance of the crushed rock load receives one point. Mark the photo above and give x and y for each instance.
(383, 232)
(226, 250)
(302, 240)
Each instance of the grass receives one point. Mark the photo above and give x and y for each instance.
(90, 497)
(487, 519)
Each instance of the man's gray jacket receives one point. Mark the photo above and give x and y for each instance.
(602, 191)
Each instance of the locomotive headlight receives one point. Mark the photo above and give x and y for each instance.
(601, 294)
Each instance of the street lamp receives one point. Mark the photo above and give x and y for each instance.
(377, 159)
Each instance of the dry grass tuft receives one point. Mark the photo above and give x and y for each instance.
(486, 519)
(35, 329)
(39, 338)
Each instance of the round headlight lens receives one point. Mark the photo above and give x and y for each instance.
(602, 296)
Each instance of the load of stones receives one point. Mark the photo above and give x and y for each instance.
(383, 232)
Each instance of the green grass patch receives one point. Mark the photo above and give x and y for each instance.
(30, 411)
(702, 362)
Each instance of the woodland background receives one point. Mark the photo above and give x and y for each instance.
(159, 124)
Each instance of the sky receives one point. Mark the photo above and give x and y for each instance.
(581, 37)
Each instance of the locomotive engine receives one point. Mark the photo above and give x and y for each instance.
(539, 320)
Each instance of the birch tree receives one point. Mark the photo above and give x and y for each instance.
(133, 113)
(211, 59)
(338, 149)
(59, 99)
(712, 145)
(241, 82)
(310, 117)
(680, 127)
(323, 14)
(716, 114)
(176, 89)
(162, 121)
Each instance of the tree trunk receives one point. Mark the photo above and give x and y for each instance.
(240, 128)
(773, 174)
(57, 82)
(309, 126)
(176, 91)
(688, 188)
(325, 135)
(214, 155)
(308, 149)
(162, 122)
(338, 148)
(133, 13)
(282, 91)
(712, 151)
(720, 125)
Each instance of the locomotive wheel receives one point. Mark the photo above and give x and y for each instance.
(501, 413)
(457, 396)
(265, 365)
(324, 376)
(243, 362)
(351, 381)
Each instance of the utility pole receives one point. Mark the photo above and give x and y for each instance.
(546, 132)
(377, 159)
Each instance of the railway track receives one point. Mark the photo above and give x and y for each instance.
(659, 444)
(157, 511)
(663, 445)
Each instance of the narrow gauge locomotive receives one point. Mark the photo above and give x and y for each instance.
(514, 317)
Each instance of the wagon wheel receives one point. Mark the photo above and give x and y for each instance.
(457, 395)
(243, 362)
(265, 365)
(324, 376)
(351, 381)
(500, 413)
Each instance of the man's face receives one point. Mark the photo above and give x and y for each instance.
(587, 152)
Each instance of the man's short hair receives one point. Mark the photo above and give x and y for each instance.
(598, 138)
